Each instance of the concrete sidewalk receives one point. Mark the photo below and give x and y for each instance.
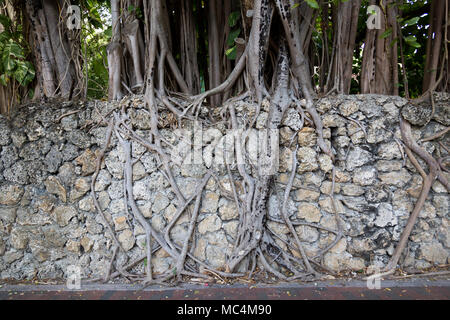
(418, 288)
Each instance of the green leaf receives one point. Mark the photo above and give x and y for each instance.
(9, 63)
(412, 41)
(24, 73)
(231, 53)
(387, 33)
(234, 18)
(412, 21)
(296, 5)
(313, 4)
(13, 49)
(4, 79)
(232, 36)
(5, 21)
(108, 32)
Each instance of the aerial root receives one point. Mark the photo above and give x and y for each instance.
(256, 245)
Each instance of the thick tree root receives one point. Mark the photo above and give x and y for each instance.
(256, 245)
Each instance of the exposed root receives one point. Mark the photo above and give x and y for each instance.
(426, 186)
(256, 245)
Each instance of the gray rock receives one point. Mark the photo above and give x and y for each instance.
(377, 131)
(69, 152)
(442, 112)
(389, 151)
(114, 165)
(365, 176)
(352, 190)
(291, 119)
(140, 119)
(79, 139)
(391, 111)
(127, 239)
(209, 224)
(8, 214)
(64, 214)
(138, 171)
(307, 137)
(115, 190)
(396, 178)
(66, 174)
(385, 216)
(434, 252)
(12, 256)
(417, 115)
(18, 238)
(309, 212)
(343, 261)
(388, 165)
(17, 173)
(307, 233)
(69, 123)
(10, 194)
(227, 209)
(358, 157)
(141, 190)
(18, 138)
(9, 156)
(2, 247)
(53, 159)
(307, 160)
(356, 203)
(34, 130)
(371, 109)
(54, 186)
(149, 162)
(210, 202)
(103, 180)
(160, 202)
(5, 132)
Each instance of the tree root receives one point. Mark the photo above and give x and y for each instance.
(255, 243)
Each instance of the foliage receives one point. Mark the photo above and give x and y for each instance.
(14, 65)
(96, 34)
(236, 31)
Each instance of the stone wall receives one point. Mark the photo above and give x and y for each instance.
(48, 220)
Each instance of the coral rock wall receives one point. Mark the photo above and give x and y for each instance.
(48, 220)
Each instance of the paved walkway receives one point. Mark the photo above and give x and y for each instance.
(338, 289)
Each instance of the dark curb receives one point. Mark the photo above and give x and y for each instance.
(421, 289)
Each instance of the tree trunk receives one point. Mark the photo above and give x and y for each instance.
(345, 30)
(434, 44)
(379, 72)
(214, 49)
(115, 55)
(189, 64)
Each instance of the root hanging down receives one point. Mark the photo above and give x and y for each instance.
(256, 246)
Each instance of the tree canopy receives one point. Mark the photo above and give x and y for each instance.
(41, 57)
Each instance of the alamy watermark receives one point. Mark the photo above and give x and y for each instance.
(375, 17)
(374, 20)
(74, 17)
(73, 273)
(374, 281)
